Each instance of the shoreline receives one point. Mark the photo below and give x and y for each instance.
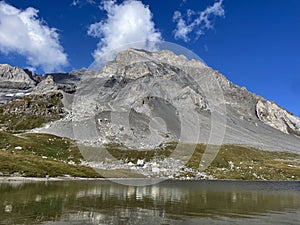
(43, 179)
(4, 179)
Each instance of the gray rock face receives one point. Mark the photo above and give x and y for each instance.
(141, 100)
(16, 82)
(144, 99)
(45, 86)
(275, 116)
(67, 82)
(15, 78)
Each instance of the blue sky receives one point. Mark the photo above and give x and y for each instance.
(254, 43)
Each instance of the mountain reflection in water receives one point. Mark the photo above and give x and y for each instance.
(169, 202)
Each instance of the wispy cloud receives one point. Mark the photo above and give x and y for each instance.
(22, 32)
(128, 24)
(196, 23)
(75, 2)
(81, 2)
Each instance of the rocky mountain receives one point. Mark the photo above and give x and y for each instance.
(144, 99)
(14, 77)
(16, 82)
(147, 100)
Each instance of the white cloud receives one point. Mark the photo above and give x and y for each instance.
(128, 25)
(186, 25)
(22, 32)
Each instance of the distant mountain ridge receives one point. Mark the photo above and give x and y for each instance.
(14, 77)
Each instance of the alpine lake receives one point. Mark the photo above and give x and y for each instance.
(167, 202)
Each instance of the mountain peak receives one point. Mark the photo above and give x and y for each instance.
(137, 55)
(136, 63)
(15, 77)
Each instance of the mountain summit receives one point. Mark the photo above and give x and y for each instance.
(14, 77)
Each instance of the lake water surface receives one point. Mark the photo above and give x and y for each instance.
(168, 202)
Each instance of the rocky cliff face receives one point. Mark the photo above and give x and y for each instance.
(139, 100)
(17, 83)
(14, 83)
(14, 77)
(277, 117)
(46, 85)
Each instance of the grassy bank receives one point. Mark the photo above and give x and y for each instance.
(231, 162)
(38, 155)
(247, 163)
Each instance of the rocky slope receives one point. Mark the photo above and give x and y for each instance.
(31, 111)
